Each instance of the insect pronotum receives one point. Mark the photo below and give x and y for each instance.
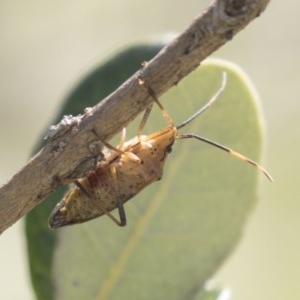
(129, 168)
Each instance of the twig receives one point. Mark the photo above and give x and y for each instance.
(69, 151)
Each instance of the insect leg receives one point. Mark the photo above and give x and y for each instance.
(122, 140)
(120, 204)
(108, 145)
(143, 121)
(119, 199)
(81, 187)
(155, 99)
(122, 213)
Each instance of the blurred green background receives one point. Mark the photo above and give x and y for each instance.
(46, 46)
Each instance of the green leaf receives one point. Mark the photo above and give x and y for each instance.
(212, 294)
(104, 79)
(182, 228)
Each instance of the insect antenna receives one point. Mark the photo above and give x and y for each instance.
(208, 104)
(228, 150)
(213, 143)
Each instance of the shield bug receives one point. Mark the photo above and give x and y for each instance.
(129, 168)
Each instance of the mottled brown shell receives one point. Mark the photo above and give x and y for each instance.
(118, 177)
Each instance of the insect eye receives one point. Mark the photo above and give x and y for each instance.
(169, 148)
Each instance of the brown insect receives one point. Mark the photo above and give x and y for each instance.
(127, 169)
